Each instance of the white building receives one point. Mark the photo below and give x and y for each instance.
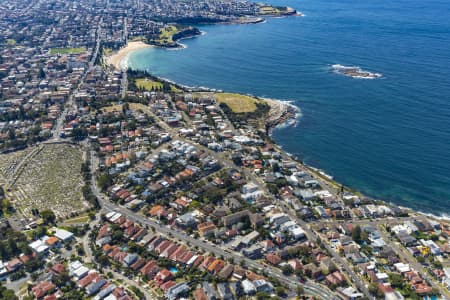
(39, 247)
(249, 188)
(402, 268)
(297, 233)
(248, 287)
(435, 250)
(63, 235)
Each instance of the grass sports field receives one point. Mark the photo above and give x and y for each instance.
(148, 84)
(67, 50)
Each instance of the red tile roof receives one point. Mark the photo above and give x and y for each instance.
(42, 288)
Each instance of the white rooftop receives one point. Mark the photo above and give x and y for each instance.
(402, 268)
(38, 246)
(63, 235)
(80, 272)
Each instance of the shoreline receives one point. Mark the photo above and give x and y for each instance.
(281, 113)
(118, 58)
(330, 180)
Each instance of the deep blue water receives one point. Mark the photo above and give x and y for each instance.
(390, 137)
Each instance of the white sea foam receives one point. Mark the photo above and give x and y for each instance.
(181, 47)
(442, 216)
(354, 72)
(124, 62)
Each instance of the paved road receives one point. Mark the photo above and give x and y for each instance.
(312, 236)
(399, 249)
(372, 222)
(219, 156)
(17, 285)
(89, 257)
(124, 82)
(130, 282)
(405, 255)
(309, 287)
(69, 103)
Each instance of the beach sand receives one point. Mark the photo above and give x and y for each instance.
(116, 59)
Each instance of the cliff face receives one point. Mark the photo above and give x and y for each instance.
(186, 33)
(280, 113)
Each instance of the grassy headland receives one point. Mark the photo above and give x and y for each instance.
(148, 84)
(169, 35)
(67, 50)
(237, 103)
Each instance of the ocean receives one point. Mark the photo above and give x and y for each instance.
(389, 137)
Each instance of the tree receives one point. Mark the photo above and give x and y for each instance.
(104, 181)
(5, 205)
(437, 264)
(79, 133)
(125, 107)
(103, 260)
(25, 249)
(299, 290)
(39, 232)
(396, 280)
(420, 259)
(332, 268)
(7, 294)
(62, 279)
(48, 216)
(3, 252)
(33, 265)
(11, 134)
(273, 188)
(356, 234)
(117, 235)
(299, 273)
(375, 290)
(12, 246)
(365, 236)
(287, 269)
(133, 158)
(280, 291)
(80, 250)
(276, 168)
(213, 195)
(262, 295)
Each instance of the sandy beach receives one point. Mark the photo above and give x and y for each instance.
(116, 59)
